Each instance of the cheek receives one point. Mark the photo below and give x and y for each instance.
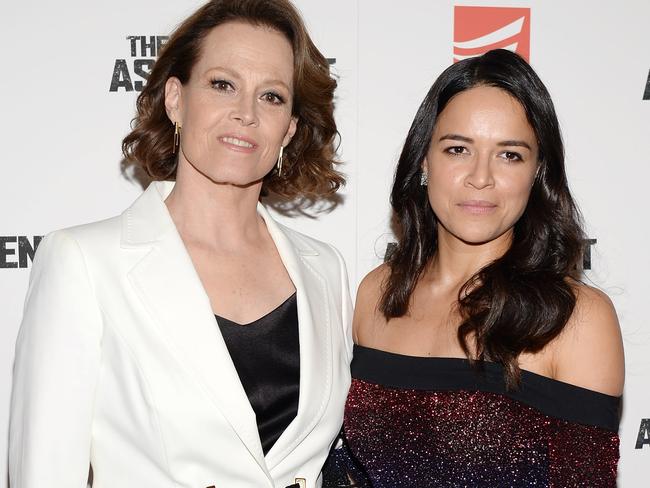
(278, 124)
(274, 129)
(201, 127)
(444, 183)
(517, 191)
(440, 200)
(202, 114)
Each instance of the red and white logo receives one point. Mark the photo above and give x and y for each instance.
(477, 30)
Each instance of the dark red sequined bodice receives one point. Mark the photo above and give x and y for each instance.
(438, 422)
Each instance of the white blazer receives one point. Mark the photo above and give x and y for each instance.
(120, 364)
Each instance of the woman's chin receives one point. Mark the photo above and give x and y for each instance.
(478, 237)
(233, 177)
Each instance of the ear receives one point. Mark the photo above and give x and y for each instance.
(291, 130)
(173, 99)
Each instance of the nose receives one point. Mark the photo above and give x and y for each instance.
(244, 111)
(480, 174)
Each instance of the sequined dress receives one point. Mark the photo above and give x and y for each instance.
(438, 422)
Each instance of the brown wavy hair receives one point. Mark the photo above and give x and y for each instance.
(309, 169)
(522, 300)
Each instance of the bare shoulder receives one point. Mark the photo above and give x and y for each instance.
(589, 352)
(366, 310)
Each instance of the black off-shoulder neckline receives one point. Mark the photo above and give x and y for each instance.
(551, 397)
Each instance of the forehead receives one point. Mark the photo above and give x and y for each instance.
(247, 49)
(485, 111)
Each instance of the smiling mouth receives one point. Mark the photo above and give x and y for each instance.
(237, 142)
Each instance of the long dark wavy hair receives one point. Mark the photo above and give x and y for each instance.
(522, 300)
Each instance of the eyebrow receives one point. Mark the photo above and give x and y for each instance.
(458, 137)
(236, 75)
(515, 143)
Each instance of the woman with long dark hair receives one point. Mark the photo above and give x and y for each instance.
(481, 358)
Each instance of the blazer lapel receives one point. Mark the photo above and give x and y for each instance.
(169, 286)
(315, 337)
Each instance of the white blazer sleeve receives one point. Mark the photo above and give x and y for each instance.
(55, 371)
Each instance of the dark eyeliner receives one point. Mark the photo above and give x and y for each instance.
(215, 81)
(451, 150)
(280, 99)
(518, 157)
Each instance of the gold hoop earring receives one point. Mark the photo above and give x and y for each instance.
(177, 137)
(280, 161)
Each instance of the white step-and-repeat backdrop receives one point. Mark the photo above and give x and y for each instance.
(71, 71)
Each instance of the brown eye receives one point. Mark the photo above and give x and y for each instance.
(221, 85)
(456, 150)
(512, 156)
(273, 98)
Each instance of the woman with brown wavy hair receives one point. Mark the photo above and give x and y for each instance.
(481, 358)
(193, 341)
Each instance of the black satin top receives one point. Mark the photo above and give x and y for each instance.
(266, 355)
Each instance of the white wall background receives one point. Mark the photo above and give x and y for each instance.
(61, 128)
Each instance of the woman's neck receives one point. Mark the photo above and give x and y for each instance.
(212, 214)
